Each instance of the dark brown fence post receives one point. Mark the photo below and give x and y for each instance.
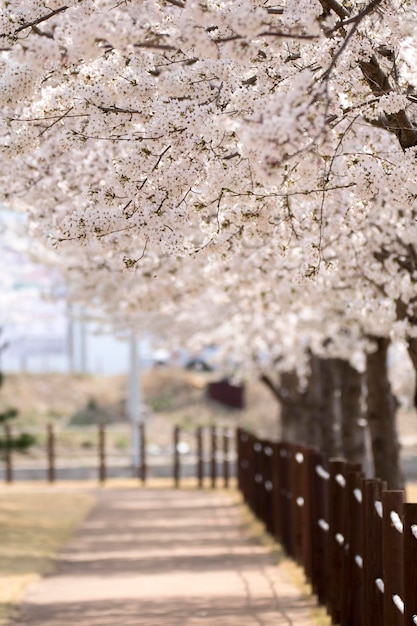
(276, 493)
(50, 449)
(226, 466)
(285, 498)
(142, 439)
(320, 512)
(200, 461)
(102, 452)
(353, 574)
(392, 553)
(267, 486)
(337, 541)
(296, 501)
(260, 480)
(310, 521)
(8, 464)
(176, 456)
(291, 503)
(245, 466)
(373, 597)
(239, 458)
(250, 480)
(410, 564)
(258, 492)
(213, 458)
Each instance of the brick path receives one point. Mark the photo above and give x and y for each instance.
(157, 557)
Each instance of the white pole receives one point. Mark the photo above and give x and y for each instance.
(134, 399)
(83, 342)
(70, 339)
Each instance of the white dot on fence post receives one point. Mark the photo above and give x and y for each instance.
(359, 560)
(398, 603)
(414, 532)
(380, 584)
(378, 508)
(322, 472)
(396, 520)
(358, 495)
(341, 480)
(299, 457)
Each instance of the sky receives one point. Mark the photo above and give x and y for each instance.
(42, 332)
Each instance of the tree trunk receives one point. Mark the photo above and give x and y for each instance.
(290, 397)
(353, 427)
(329, 422)
(382, 408)
(290, 409)
(312, 404)
(315, 416)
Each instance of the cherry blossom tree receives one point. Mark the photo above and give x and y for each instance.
(246, 156)
(194, 124)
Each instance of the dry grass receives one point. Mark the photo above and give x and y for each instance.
(171, 395)
(57, 397)
(34, 524)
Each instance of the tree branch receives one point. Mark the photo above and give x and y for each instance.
(333, 5)
(397, 123)
(276, 391)
(38, 21)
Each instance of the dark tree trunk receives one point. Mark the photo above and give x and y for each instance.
(308, 415)
(381, 412)
(353, 428)
(312, 404)
(292, 422)
(290, 398)
(329, 416)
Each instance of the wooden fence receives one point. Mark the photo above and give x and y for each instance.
(356, 541)
(212, 456)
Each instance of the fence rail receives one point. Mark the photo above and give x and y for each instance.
(90, 452)
(356, 541)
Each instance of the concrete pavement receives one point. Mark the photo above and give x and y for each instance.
(162, 557)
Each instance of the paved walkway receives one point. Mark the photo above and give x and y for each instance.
(154, 557)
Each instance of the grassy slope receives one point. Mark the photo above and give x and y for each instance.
(171, 396)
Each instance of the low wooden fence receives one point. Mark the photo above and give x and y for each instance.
(356, 541)
(211, 455)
